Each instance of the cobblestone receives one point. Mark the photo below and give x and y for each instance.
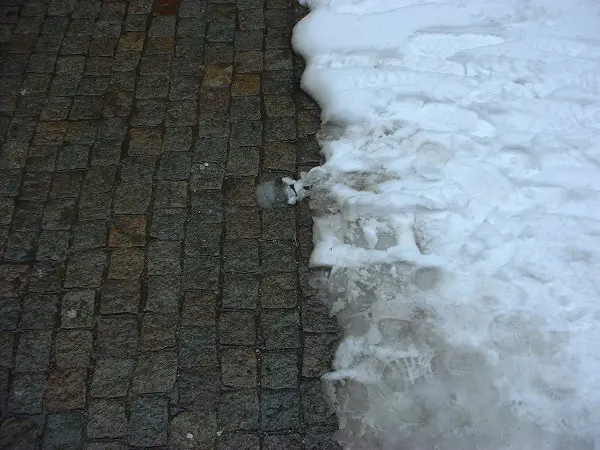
(145, 299)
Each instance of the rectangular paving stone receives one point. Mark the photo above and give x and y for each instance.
(316, 317)
(246, 133)
(59, 214)
(184, 88)
(240, 191)
(112, 377)
(38, 312)
(33, 351)
(152, 86)
(279, 224)
(245, 441)
(77, 309)
(199, 309)
(89, 235)
(124, 64)
(132, 198)
(7, 342)
(278, 38)
(279, 291)
(158, 332)
(64, 430)
(318, 354)
(200, 393)
(175, 166)
(66, 184)
(117, 104)
(241, 255)
(21, 246)
(27, 216)
(240, 291)
(126, 263)
(149, 113)
(122, 81)
(246, 107)
(192, 341)
(238, 410)
(156, 65)
(280, 410)
(280, 328)
(279, 369)
(237, 328)
(280, 129)
(136, 19)
(280, 156)
(206, 177)
(207, 206)
(242, 223)
(117, 336)
(243, 161)
(202, 239)
(137, 168)
(42, 158)
(168, 224)
(66, 389)
(149, 421)
(248, 62)
(128, 231)
(201, 273)
(293, 441)
(112, 129)
(10, 182)
(155, 372)
(46, 277)
(278, 256)
(85, 269)
(106, 419)
(106, 152)
(94, 207)
(177, 139)
(181, 113)
(315, 407)
(238, 367)
(27, 393)
(9, 313)
(277, 82)
(164, 258)
(120, 296)
(72, 348)
(171, 194)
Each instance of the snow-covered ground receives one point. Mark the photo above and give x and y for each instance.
(458, 210)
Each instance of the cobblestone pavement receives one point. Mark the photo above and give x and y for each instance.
(145, 301)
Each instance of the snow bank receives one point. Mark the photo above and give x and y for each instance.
(458, 210)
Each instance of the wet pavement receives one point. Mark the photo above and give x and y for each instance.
(145, 300)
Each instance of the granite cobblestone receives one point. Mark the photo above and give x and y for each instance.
(145, 299)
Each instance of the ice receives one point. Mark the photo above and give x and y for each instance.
(457, 217)
(271, 193)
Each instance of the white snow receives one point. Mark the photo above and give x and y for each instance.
(458, 210)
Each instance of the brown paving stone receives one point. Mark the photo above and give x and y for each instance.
(246, 85)
(128, 231)
(217, 76)
(66, 389)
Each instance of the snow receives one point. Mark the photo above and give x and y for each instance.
(458, 210)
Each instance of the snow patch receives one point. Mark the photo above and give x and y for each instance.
(459, 213)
